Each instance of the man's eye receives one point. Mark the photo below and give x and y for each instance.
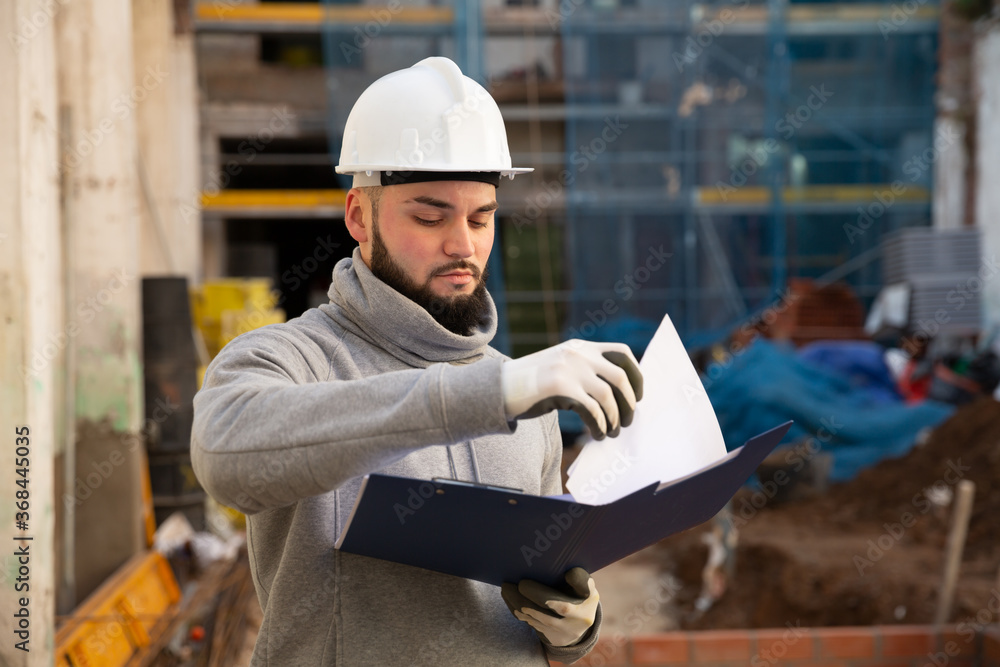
(426, 222)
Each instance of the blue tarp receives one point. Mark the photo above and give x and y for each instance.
(860, 363)
(765, 384)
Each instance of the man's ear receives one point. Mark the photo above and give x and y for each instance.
(354, 215)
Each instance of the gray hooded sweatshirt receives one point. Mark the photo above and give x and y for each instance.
(292, 416)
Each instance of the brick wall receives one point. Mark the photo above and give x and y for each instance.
(876, 646)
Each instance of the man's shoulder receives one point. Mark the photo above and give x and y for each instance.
(312, 337)
(493, 353)
(312, 325)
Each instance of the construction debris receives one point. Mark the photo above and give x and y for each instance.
(861, 554)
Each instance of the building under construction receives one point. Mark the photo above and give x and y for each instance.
(771, 174)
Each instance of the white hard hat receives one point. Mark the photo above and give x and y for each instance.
(423, 122)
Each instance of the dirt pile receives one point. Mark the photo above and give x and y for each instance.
(967, 446)
(869, 551)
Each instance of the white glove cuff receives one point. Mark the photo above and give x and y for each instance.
(519, 385)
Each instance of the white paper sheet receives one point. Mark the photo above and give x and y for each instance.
(675, 431)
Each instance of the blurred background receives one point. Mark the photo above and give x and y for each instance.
(807, 189)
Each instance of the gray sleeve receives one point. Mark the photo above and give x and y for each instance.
(552, 474)
(268, 433)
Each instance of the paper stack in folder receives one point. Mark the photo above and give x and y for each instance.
(667, 472)
(674, 433)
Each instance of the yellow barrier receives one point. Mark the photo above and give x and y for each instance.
(122, 617)
(224, 309)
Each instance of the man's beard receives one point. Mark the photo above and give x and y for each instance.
(460, 314)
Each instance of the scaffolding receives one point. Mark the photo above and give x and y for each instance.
(752, 143)
(691, 157)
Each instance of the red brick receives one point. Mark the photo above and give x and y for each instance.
(846, 642)
(907, 640)
(721, 645)
(609, 652)
(672, 648)
(991, 648)
(784, 644)
(958, 644)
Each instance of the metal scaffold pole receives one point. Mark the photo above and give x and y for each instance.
(777, 88)
(469, 56)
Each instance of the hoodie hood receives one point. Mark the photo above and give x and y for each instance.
(370, 309)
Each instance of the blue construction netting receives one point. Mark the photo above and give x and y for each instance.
(684, 121)
(709, 151)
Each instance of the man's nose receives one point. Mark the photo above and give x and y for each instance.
(459, 242)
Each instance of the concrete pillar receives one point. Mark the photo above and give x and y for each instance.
(152, 38)
(950, 182)
(99, 98)
(986, 86)
(953, 180)
(213, 248)
(166, 119)
(33, 333)
(187, 196)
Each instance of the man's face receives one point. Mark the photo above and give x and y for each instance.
(431, 242)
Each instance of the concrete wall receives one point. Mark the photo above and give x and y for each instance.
(32, 332)
(102, 235)
(74, 242)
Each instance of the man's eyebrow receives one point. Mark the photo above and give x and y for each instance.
(431, 201)
(440, 203)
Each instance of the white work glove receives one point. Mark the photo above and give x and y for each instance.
(560, 619)
(599, 381)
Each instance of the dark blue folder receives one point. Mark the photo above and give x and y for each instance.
(494, 535)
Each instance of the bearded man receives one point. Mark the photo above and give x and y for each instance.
(395, 375)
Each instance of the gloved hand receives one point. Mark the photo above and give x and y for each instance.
(599, 381)
(560, 619)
